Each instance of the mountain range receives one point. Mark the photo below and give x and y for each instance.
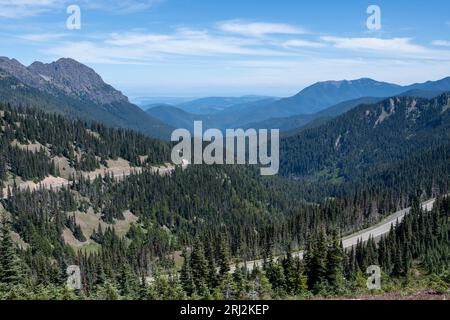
(71, 88)
(320, 101)
(212, 105)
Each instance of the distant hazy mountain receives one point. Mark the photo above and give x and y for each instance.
(321, 95)
(298, 121)
(150, 106)
(145, 102)
(69, 87)
(428, 90)
(248, 115)
(176, 117)
(232, 117)
(212, 105)
(260, 112)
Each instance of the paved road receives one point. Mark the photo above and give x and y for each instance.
(380, 229)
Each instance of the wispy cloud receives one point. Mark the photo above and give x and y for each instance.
(256, 29)
(92, 52)
(16, 9)
(144, 47)
(375, 44)
(41, 37)
(121, 6)
(304, 44)
(441, 43)
(26, 8)
(189, 42)
(140, 47)
(395, 47)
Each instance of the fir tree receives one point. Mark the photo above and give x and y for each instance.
(187, 282)
(198, 265)
(224, 257)
(316, 263)
(335, 272)
(10, 268)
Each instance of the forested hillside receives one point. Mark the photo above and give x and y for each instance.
(418, 246)
(34, 144)
(400, 142)
(176, 235)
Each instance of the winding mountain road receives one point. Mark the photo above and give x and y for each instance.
(375, 231)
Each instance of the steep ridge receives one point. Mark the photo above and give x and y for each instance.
(71, 88)
(368, 136)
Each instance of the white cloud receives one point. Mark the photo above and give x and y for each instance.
(395, 47)
(26, 8)
(91, 52)
(257, 29)
(139, 47)
(184, 42)
(441, 43)
(304, 43)
(41, 37)
(376, 44)
(121, 6)
(146, 48)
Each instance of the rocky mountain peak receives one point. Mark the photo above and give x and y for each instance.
(70, 88)
(67, 75)
(14, 68)
(76, 79)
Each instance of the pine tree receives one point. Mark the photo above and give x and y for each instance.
(316, 262)
(213, 277)
(224, 258)
(275, 274)
(335, 258)
(239, 281)
(100, 273)
(186, 279)
(10, 269)
(128, 283)
(199, 268)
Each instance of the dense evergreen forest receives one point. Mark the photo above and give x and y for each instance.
(191, 225)
(401, 143)
(420, 243)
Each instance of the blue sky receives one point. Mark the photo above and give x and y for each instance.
(198, 48)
